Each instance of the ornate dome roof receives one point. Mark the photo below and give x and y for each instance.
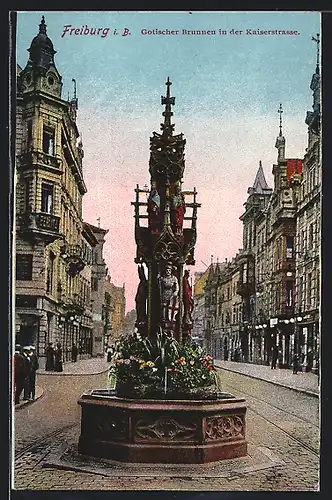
(41, 44)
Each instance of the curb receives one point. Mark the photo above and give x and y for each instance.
(72, 374)
(23, 404)
(297, 389)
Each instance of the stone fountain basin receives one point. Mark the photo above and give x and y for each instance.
(162, 430)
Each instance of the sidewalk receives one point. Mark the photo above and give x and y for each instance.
(302, 382)
(39, 393)
(91, 366)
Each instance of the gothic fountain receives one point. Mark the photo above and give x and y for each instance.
(164, 418)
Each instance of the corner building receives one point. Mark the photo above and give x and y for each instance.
(54, 248)
(308, 238)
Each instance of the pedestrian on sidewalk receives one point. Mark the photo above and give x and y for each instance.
(27, 370)
(18, 373)
(109, 352)
(310, 360)
(49, 353)
(274, 358)
(295, 364)
(74, 353)
(58, 358)
(34, 365)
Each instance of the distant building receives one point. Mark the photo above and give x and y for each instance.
(114, 311)
(129, 322)
(98, 289)
(199, 307)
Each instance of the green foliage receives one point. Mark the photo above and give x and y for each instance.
(139, 366)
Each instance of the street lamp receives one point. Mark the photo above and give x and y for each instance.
(295, 321)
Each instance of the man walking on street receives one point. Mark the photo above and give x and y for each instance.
(74, 353)
(18, 373)
(58, 358)
(274, 358)
(49, 353)
(27, 368)
(34, 365)
(295, 364)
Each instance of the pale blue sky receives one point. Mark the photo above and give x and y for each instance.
(227, 88)
(213, 72)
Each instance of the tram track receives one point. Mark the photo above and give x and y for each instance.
(274, 406)
(252, 408)
(37, 444)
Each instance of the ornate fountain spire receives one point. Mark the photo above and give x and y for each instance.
(317, 40)
(313, 117)
(280, 142)
(167, 242)
(280, 111)
(167, 127)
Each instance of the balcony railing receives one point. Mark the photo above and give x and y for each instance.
(41, 158)
(48, 222)
(40, 221)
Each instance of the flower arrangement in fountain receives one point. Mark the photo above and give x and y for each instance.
(164, 369)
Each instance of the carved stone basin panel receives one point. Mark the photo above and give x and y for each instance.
(162, 431)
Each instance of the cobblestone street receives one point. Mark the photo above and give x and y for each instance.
(279, 420)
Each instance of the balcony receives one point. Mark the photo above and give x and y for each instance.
(38, 224)
(245, 289)
(40, 158)
(75, 258)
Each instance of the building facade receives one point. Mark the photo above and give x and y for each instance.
(199, 308)
(54, 247)
(114, 311)
(308, 238)
(98, 274)
(277, 273)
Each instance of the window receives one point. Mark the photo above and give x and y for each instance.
(47, 198)
(94, 284)
(29, 136)
(289, 247)
(302, 240)
(27, 183)
(48, 141)
(309, 285)
(228, 293)
(245, 273)
(50, 272)
(300, 291)
(311, 236)
(289, 293)
(24, 267)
